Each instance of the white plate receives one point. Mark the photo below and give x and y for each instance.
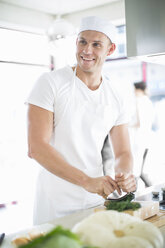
(41, 228)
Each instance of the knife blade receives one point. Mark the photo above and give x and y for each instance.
(125, 196)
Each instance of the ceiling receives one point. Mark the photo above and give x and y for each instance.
(58, 7)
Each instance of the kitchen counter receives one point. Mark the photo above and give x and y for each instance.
(146, 195)
(70, 220)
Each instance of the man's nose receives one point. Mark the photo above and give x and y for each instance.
(88, 49)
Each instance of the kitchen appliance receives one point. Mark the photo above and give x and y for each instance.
(145, 30)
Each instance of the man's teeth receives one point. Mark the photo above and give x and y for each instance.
(87, 59)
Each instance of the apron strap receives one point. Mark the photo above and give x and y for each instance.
(72, 84)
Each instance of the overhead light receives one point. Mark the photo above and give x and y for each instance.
(60, 28)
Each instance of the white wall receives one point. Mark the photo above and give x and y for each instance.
(26, 19)
(114, 11)
(23, 19)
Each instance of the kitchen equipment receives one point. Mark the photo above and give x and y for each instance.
(2, 235)
(155, 194)
(162, 202)
(145, 30)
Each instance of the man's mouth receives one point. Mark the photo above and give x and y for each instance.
(87, 59)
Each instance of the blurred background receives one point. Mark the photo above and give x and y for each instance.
(39, 36)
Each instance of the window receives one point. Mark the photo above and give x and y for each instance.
(120, 51)
(23, 47)
(23, 57)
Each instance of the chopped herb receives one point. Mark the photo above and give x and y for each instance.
(122, 205)
(129, 197)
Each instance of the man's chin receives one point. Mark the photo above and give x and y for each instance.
(87, 68)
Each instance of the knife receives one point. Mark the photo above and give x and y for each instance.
(124, 197)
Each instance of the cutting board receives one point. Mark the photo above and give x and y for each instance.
(149, 211)
(158, 219)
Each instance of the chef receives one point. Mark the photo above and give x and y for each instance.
(70, 113)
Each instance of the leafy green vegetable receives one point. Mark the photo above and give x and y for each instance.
(122, 205)
(57, 238)
(129, 197)
(59, 241)
(88, 246)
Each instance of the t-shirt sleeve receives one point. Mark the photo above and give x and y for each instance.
(42, 94)
(124, 112)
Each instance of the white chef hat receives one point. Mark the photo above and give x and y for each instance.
(99, 24)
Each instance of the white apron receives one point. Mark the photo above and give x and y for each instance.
(79, 136)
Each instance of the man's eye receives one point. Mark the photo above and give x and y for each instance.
(82, 42)
(96, 44)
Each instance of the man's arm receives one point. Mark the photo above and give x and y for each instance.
(40, 128)
(123, 158)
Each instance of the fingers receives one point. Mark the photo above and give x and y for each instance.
(105, 185)
(108, 186)
(126, 182)
(104, 196)
(114, 185)
(119, 175)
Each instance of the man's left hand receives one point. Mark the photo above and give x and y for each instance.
(126, 182)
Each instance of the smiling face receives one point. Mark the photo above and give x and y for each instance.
(92, 50)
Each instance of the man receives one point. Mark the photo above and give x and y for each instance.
(141, 130)
(71, 111)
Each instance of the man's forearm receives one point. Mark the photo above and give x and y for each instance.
(52, 160)
(124, 173)
(124, 163)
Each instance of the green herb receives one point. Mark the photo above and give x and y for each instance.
(122, 205)
(129, 197)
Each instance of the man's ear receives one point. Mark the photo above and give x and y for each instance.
(111, 49)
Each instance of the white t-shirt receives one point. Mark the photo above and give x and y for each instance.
(82, 120)
(53, 90)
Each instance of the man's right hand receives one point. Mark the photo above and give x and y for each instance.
(103, 186)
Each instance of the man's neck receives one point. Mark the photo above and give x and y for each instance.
(92, 80)
(139, 92)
